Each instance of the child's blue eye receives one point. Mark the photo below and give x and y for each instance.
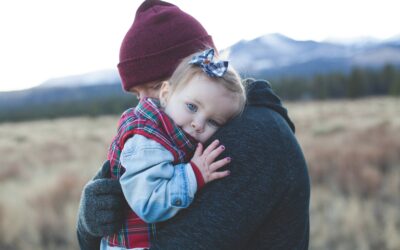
(214, 123)
(191, 107)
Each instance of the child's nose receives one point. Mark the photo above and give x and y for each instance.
(198, 126)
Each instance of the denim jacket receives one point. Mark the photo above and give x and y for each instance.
(154, 188)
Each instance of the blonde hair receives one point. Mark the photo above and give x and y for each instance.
(231, 80)
(149, 85)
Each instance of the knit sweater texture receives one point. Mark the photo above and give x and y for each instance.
(264, 203)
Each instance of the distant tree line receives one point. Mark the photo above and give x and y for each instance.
(360, 82)
(92, 107)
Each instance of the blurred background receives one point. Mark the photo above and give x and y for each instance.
(335, 64)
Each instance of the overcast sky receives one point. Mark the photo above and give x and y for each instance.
(44, 39)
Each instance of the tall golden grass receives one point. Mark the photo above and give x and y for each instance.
(352, 149)
(353, 154)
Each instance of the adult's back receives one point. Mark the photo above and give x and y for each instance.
(264, 203)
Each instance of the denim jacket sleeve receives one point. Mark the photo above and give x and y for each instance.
(154, 188)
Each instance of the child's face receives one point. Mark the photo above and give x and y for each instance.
(200, 107)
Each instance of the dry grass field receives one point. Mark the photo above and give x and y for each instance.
(352, 149)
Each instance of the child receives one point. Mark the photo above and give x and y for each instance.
(152, 154)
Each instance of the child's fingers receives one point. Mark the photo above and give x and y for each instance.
(214, 154)
(211, 147)
(199, 149)
(219, 164)
(219, 175)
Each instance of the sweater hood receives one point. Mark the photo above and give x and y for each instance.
(260, 93)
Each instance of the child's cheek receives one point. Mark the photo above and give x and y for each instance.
(210, 132)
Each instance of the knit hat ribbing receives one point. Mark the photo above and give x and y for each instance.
(160, 36)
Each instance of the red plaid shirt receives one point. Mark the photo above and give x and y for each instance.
(148, 120)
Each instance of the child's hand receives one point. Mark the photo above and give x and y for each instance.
(205, 161)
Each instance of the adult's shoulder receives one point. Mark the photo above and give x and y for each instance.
(256, 125)
(263, 137)
(264, 114)
(261, 94)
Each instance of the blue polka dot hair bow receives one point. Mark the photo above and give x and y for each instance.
(209, 66)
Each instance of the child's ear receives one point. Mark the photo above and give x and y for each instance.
(164, 93)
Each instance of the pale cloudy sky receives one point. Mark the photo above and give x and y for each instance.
(45, 39)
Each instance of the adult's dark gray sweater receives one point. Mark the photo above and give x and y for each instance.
(264, 203)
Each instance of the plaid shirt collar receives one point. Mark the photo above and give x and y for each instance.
(150, 114)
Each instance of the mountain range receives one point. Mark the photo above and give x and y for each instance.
(275, 55)
(270, 56)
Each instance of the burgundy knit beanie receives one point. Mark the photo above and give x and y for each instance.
(160, 36)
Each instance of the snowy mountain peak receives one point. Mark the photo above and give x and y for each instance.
(277, 55)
